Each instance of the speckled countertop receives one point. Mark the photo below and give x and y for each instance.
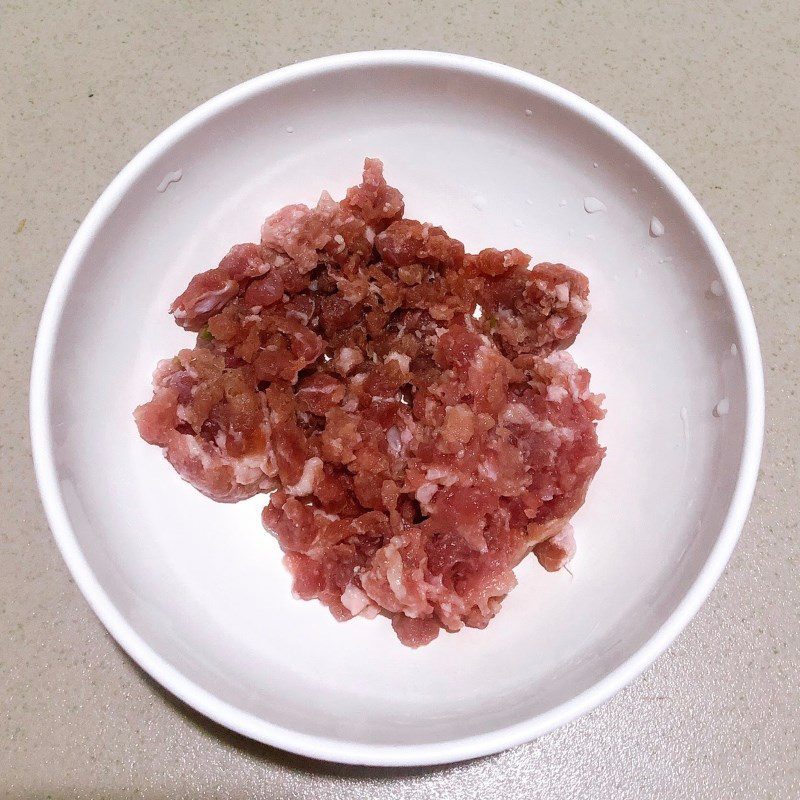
(714, 91)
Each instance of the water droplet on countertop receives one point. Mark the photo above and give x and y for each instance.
(716, 289)
(595, 164)
(590, 236)
(634, 190)
(480, 202)
(734, 350)
(722, 408)
(592, 205)
(518, 223)
(665, 260)
(562, 203)
(289, 129)
(528, 112)
(656, 227)
(529, 201)
(170, 177)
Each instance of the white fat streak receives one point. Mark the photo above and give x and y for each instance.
(402, 359)
(354, 600)
(311, 469)
(348, 358)
(488, 469)
(581, 306)
(563, 361)
(394, 570)
(425, 494)
(208, 301)
(518, 414)
(555, 394)
(445, 477)
(394, 441)
(248, 469)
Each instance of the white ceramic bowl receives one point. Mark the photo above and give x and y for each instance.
(195, 592)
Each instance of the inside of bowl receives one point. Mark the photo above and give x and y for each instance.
(496, 165)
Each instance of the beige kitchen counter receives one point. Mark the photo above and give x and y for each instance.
(715, 92)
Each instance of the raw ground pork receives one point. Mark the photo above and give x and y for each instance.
(411, 407)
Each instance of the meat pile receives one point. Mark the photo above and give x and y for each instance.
(411, 407)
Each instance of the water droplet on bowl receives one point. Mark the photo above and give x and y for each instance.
(595, 164)
(592, 205)
(734, 350)
(528, 112)
(722, 408)
(590, 237)
(562, 203)
(289, 129)
(518, 223)
(170, 177)
(480, 202)
(656, 227)
(716, 289)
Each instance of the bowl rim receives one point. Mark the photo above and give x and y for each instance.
(338, 750)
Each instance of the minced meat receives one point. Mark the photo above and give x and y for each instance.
(411, 407)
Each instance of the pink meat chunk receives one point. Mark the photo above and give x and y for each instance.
(411, 408)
